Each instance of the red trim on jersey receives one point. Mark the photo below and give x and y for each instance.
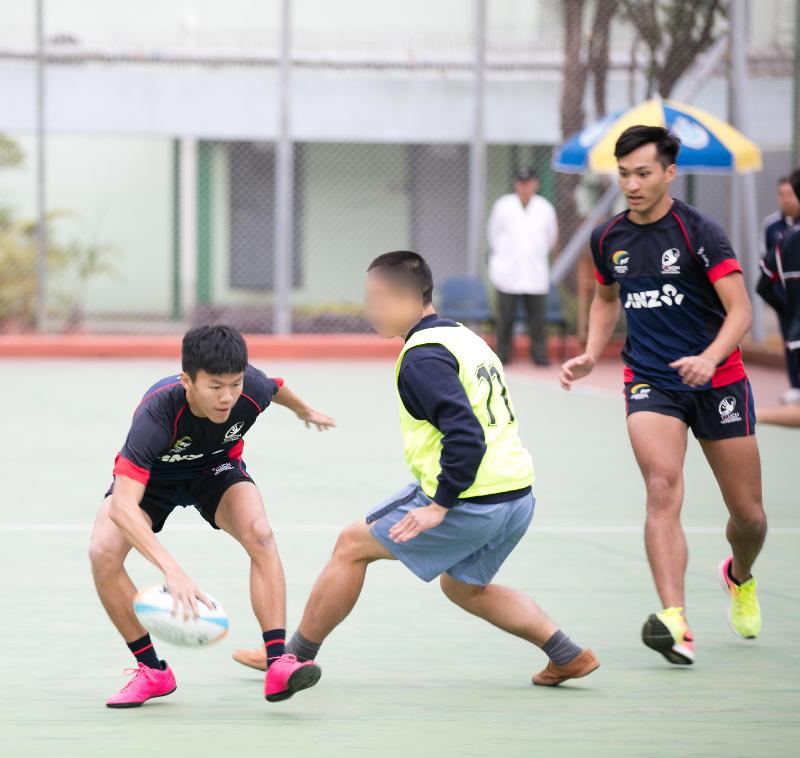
(600, 246)
(125, 467)
(723, 268)
(279, 381)
(175, 424)
(252, 401)
(731, 371)
(241, 468)
(155, 392)
(235, 453)
(686, 236)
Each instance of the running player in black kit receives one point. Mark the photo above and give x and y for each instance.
(184, 448)
(673, 271)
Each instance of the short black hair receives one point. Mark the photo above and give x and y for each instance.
(217, 349)
(667, 144)
(794, 180)
(409, 267)
(784, 180)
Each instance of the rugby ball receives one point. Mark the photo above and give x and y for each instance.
(153, 608)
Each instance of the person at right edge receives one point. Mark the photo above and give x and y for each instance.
(683, 293)
(782, 264)
(771, 286)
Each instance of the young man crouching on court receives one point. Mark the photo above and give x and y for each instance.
(184, 447)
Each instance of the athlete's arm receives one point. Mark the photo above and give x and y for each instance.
(285, 397)
(698, 369)
(766, 290)
(603, 315)
(126, 514)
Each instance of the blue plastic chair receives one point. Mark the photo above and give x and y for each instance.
(464, 298)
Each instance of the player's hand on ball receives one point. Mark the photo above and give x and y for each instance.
(694, 369)
(317, 419)
(417, 521)
(185, 594)
(574, 369)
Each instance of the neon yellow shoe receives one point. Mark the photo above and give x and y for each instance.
(744, 614)
(668, 633)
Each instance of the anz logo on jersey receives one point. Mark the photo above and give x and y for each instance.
(667, 295)
(176, 453)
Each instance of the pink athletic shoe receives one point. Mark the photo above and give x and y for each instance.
(145, 683)
(287, 675)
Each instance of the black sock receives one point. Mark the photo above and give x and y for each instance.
(304, 649)
(733, 578)
(561, 649)
(275, 642)
(144, 652)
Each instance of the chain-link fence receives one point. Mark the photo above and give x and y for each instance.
(244, 161)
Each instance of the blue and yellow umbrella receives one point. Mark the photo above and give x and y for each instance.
(708, 144)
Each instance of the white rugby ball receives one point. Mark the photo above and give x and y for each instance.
(153, 608)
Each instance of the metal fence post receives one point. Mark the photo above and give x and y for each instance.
(477, 148)
(41, 174)
(747, 205)
(284, 182)
(188, 225)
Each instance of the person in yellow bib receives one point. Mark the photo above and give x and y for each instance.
(471, 501)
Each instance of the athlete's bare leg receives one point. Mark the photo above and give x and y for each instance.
(241, 514)
(338, 586)
(107, 552)
(659, 444)
(737, 466)
(504, 607)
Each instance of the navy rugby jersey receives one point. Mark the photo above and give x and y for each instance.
(665, 271)
(167, 441)
(782, 265)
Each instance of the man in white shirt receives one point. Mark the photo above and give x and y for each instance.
(522, 232)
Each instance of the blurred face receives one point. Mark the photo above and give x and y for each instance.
(212, 396)
(787, 200)
(391, 308)
(526, 190)
(643, 180)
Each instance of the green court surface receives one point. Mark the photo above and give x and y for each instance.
(407, 673)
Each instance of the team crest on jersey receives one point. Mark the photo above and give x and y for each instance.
(620, 259)
(669, 261)
(234, 433)
(180, 445)
(727, 410)
(640, 391)
(667, 295)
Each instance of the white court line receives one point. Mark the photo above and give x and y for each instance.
(312, 528)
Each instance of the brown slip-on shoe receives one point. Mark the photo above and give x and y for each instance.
(255, 659)
(581, 665)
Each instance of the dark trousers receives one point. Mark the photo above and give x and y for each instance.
(507, 305)
(792, 359)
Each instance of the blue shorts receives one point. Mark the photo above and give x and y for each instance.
(470, 544)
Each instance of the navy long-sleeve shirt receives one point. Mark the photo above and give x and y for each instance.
(431, 391)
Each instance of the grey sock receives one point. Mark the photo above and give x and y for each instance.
(561, 649)
(304, 649)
